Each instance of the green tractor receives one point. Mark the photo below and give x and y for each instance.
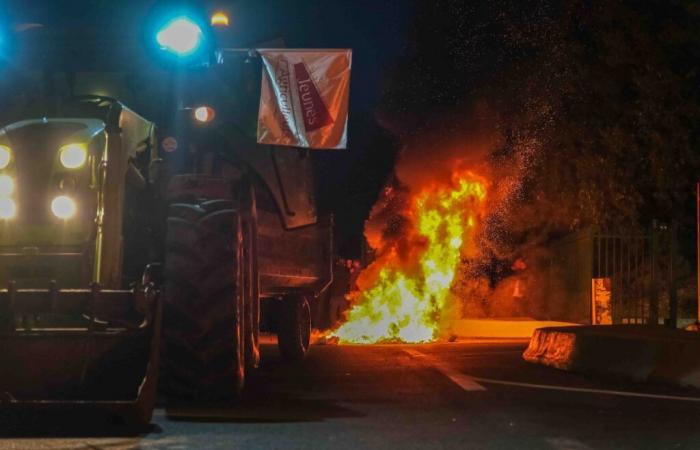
(69, 331)
(129, 246)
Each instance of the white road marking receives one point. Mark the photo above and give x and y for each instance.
(414, 353)
(464, 381)
(588, 390)
(561, 443)
(471, 383)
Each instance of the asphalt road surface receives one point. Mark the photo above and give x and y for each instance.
(464, 395)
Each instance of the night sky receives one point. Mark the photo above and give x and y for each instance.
(594, 104)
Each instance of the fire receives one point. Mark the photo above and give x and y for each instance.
(408, 296)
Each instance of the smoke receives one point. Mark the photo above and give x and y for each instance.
(448, 143)
(486, 285)
(484, 94)
(430, 155)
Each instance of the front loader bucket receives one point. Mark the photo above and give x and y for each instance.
(80, 350)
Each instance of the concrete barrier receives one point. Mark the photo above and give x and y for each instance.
(640, 353)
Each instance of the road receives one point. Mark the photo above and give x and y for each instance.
(463, 395)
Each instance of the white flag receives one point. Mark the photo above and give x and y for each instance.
(304, 98)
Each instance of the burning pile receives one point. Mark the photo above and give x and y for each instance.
(405, 293)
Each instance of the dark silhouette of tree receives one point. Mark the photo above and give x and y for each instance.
(596, 102)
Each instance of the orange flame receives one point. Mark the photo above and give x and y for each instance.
(408, 301)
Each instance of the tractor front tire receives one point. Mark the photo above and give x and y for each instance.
(204, 302)
(294, 328)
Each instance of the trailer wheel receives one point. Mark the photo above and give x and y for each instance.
(294, 328)
(204, 302)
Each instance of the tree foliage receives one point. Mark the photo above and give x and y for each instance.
(596, 102)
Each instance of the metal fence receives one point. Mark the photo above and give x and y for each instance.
(628, 262)
(636, 270)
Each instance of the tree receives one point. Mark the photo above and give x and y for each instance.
(596, 103)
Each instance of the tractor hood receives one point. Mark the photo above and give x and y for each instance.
(68, 129)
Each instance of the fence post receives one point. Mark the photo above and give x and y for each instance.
(654, 297)
(673, 291)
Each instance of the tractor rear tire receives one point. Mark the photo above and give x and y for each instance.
(294, 328)
(249, 221)
(251, 326)
(204, 302)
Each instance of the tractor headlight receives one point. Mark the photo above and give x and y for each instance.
(8, 209)
(7, 186)
(5, 156)
(181, 36)
(63, 207)
(73, 156)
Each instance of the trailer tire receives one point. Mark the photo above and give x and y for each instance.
(294, 328)
(204, 302)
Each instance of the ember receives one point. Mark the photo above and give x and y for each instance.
(405, 294)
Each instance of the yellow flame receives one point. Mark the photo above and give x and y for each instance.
(399, 307)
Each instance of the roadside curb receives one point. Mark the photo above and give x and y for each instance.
(633, 352)
(513, 328)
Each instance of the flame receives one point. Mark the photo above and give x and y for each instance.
(408, 301)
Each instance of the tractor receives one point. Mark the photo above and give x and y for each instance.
(151, 244)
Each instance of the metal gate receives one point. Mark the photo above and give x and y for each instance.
(636, 268)
(627, 263)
